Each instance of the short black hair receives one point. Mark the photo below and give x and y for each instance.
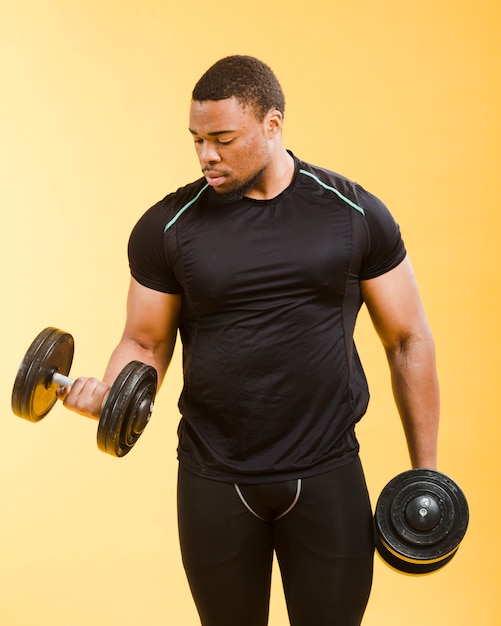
(247, 79)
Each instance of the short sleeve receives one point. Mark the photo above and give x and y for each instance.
(148, 258)
(386, 248)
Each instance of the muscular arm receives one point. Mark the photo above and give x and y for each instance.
(149, 336)
(397, 313)
(150, 331)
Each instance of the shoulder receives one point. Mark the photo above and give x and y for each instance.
(167, 211)
(335, 185)
(152, 252)
(350, 192)
(377, 232)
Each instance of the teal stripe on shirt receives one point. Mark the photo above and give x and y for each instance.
(184, 208)
(338, 193)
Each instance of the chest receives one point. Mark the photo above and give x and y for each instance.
(255, 255)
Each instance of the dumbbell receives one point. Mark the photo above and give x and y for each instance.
(420, 520)
(128, 404)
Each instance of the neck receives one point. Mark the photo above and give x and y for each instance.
(277, 177)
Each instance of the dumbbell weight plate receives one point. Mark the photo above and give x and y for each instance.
(127, 409)
(420, 519)
(33, 394)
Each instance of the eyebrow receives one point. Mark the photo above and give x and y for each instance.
(214, 133)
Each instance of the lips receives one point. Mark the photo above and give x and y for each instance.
(214, 178)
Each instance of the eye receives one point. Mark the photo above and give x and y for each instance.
(224, 142)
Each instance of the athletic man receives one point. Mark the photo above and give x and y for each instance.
(262, 265)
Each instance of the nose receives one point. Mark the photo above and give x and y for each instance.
(207, 153)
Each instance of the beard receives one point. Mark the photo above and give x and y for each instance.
(239, 192)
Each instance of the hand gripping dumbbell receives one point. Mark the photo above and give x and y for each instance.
(126, 409)
(420, 519)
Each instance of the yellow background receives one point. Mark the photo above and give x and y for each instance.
(402, 96)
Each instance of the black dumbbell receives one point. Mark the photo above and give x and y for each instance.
(420, 519)
(126, 410)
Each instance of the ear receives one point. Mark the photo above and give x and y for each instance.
(273, 123)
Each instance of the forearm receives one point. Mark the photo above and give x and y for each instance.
(150, 331)
(149, 336)
(416, 392)
(158, 356)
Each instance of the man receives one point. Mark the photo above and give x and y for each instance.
(263, 265)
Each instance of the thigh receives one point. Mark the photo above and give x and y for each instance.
(227, 553)
(325, 549)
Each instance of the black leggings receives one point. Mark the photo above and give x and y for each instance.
(320, 529)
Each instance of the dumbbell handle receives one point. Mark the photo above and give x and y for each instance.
(62, 381)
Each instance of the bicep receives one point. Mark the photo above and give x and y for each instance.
(395, 306)
(152, 318)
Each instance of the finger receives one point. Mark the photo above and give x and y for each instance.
(61, 393)
(85, 397)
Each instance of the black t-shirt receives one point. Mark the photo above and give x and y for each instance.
(273, 385)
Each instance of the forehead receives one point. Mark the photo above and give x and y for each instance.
(214, 116)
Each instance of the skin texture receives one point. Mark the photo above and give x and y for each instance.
(397, 313)
(242, 155)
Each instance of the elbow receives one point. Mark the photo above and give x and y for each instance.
(412, 345)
